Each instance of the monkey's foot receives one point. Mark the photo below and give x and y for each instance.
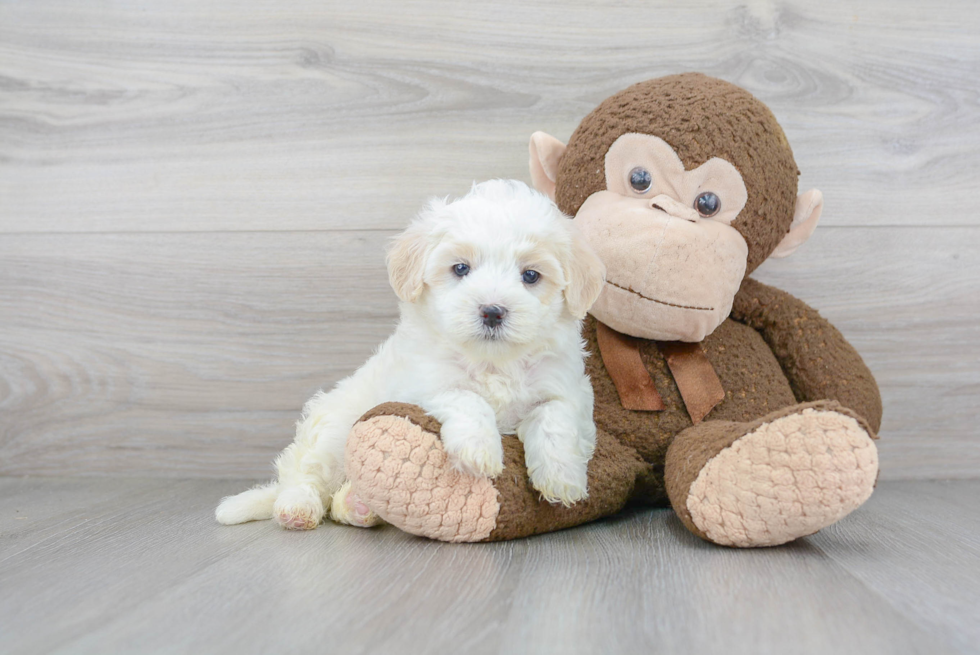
(785, 478)
(347, 508)
(397, 466)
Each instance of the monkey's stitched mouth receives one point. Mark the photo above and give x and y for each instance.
(660, 302)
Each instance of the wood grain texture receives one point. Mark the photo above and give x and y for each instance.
(194, 198)
(909, 301)
(181, 354)
(95, 566)
(191, 354)
(151, 115)
(895, 536)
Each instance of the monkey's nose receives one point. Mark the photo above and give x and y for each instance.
(492, 315)
(670, 206)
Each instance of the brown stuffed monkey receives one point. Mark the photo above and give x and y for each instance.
(731, 401)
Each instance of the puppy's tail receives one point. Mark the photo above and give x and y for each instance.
(252, 505)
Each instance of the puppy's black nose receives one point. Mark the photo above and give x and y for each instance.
(493, 315)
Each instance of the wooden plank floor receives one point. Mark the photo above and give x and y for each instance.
(194, 200)
(129, 565)
(194, 197)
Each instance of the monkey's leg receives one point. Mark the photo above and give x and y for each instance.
(768, 482)
(398, 468)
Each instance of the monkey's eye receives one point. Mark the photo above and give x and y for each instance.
(707, 204)
(640, 179)
(530, 277)
(461, 269)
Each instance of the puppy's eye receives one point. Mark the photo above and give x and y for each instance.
(640, 179)
(707, 204)
(530, 277)
(461, 270)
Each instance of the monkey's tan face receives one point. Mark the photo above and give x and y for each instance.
(673, 260)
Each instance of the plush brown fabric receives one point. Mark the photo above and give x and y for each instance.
(414, 413)
(773, 357)
(694, 376)
(687, 455)
(621, 355)
(612, 473)
(693, 448)
(818, 361)
(635, 460)
(701, 117)
(754, 386)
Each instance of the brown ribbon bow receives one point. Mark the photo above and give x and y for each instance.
(696, 379)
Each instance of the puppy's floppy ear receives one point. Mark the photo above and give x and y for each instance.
(585, 272)
(409, 251)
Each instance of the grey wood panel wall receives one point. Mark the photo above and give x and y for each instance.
(194, 197)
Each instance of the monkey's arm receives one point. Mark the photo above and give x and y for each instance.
(819, 363)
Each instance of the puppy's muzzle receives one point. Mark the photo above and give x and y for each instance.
(492, 315)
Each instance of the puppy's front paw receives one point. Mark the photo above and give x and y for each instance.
(479, 461)
(564, 482)
(473, 448)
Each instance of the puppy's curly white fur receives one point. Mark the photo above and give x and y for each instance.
(493, 287)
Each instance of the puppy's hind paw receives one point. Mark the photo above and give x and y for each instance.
(298, 508)
(348, 509)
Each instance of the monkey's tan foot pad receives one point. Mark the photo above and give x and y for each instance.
(397, 467)
(347, 507)
(785, 479)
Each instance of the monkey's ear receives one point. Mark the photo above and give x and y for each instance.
(586, 275)
(546, 152)
(808, 208)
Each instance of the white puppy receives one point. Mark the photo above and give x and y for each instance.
(493, 288)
